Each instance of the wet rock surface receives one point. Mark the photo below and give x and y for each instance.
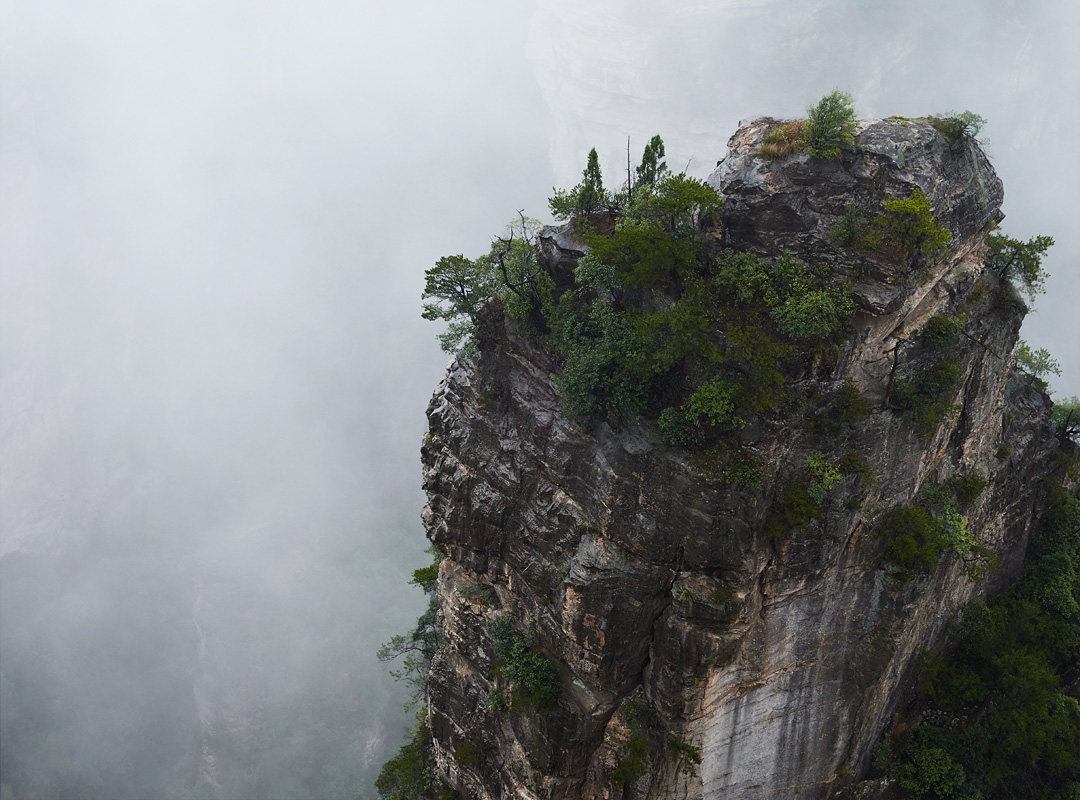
(781, 657)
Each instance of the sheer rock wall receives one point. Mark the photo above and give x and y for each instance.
(781, 658)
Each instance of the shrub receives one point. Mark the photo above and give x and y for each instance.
(1004, 723)
(925, 399)
(943, 330)
(686, 755)
(850, 230)
(967, 487)
(710, 408)
(410, 773)
(906, 228)
(846, 406)
(1066, 418)
(532, 677)
(796, 508)
(856, 464)
(1035, 363)
(813, 316)
(908, 224)
(914, 537)
(823, 477)
(831, 125)
(955, 126)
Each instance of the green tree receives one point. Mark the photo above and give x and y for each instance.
(1016, 261)
(652, 168)
(510, 273)
(1066, 418)
(459, 288)
(831, 125)
(1035, 363)
(587, 197)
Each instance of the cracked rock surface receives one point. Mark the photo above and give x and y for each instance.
(780, 657)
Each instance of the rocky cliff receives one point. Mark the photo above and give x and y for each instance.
(691, 618)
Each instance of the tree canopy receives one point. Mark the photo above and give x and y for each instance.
(830, 125)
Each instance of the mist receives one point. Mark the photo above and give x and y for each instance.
(214, 224)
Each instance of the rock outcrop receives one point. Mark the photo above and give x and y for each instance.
(780, 658)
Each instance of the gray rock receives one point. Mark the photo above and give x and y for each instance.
(780, 657)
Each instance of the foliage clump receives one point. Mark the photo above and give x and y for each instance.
(1005, 723)
(417, 647)
(905, 229)
(525, 676)
(804, 497)
(1019, 262)
(1035, 363)
(926, 398)
(410, 773)
(955, 126)
(943, 330)
(1065, 416)
(830, 125)
(508, 276)
(844, 407)
(908, 224)
(917, 534)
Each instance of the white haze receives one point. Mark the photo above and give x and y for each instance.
(214, 222)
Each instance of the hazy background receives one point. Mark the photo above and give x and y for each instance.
(214, 222)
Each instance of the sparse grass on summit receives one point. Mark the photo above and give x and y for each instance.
(783, 139)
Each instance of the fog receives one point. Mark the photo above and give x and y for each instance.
(214, 223)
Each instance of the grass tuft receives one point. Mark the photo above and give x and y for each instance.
(783, 139)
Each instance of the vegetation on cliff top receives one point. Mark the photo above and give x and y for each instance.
(662, 320)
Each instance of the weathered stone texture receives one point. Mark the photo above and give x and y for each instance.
(782, 658)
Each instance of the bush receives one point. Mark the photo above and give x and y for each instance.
(925, 399)
(856, 464)
(532, 677)
(914, 537)
(1066, 418)
(908, 224)
(1005, 723)
(1035, 363)
(943, 330)
(831, 125)
(955, 126)
(711, 408)
(796, 508)
(813, 316)
(823, 477)
(967, 487)
(905, 228)
(410, 773)
(686, 755)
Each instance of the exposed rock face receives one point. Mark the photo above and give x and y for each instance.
(780, 657)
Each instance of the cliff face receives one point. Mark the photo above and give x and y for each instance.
(781, 657)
